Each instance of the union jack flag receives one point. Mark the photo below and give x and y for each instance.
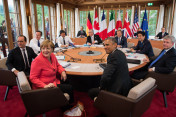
(135, 24)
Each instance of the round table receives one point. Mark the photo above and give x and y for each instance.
(87, 66)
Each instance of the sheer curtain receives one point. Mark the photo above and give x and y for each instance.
(58, 19)
(160, 19)
(24, 20)
(76, 21)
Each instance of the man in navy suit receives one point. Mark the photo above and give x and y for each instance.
(164, 63)
(20, 58)
(161, 34)
(121, 40)
(143, 46)
(93, 39)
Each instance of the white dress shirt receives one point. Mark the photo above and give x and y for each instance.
(60, 41)
(34, 45)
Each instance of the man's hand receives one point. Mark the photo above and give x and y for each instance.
(119, 46)
(15, 72)
(150, 69)
(63, 76)
(89, 44)
(146, 60)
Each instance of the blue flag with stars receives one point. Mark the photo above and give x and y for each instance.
(144, 25)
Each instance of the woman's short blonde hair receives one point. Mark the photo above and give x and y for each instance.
(47, 43)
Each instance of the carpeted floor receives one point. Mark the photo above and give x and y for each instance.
(13, 106)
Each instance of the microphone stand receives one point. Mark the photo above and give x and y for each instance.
(72, 59)
(99, 60)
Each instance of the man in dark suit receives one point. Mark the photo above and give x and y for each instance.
(143, 46)
(121, 40)
(115, 77)
(161, 34)
(20, 58)
(81, 33)
(164, 63)
(93, 39)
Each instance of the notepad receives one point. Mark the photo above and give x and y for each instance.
(64, 64)
(60, 57)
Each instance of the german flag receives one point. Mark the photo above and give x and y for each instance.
(89, 24)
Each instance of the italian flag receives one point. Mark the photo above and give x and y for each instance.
(111, 28)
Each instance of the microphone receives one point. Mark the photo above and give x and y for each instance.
(99, 60)
(72, 59)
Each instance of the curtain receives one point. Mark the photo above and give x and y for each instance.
(99, 14)
(24, 20)
(139, 14)
(132, 16)
(58, 19)
(76, 21)
(160, 19)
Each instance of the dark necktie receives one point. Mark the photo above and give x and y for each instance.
(38, 43)
(157, 59)
(64, 40)
(25, 59)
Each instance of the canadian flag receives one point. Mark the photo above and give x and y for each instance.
(119, 22)
(96, 27)
(111, 28)
(126, 27)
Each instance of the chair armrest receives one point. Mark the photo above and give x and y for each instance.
(7, 78)
(165, 82)
(113, 104)
(43, 100)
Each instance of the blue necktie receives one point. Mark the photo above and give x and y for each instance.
(157, 58)
(38, 43)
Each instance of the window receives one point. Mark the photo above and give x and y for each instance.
(152, 22)
(83, 18)
(152, 19)
(129, 15)
(67, 22)
(47, 25)
(14, 18)
(40, 19)
(2, 15)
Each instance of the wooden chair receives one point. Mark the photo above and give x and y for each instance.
(134, 105)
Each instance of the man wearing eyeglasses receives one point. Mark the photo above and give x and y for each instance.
(20, 58)
(93, 39)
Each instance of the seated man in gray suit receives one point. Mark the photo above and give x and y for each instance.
(115, 77)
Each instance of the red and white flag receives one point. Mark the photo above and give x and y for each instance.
(126, 27)
(119, 22)
(111, 28)
(103, 28)
(96, 27)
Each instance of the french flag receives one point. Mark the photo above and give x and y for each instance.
(103, 28)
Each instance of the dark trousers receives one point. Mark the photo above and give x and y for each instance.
(66, 88)
(93, 92)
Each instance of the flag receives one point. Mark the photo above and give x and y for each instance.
(126, 27)
(103, 27)
(135, 24)
(89, 24)
(111, 28)
(96, 24)
(119, 22)
(144, 25)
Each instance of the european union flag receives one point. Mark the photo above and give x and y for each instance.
(144, 25)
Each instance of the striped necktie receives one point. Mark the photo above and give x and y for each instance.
(162, 53)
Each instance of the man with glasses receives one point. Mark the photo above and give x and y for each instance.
(20, 58)
(93, 39)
